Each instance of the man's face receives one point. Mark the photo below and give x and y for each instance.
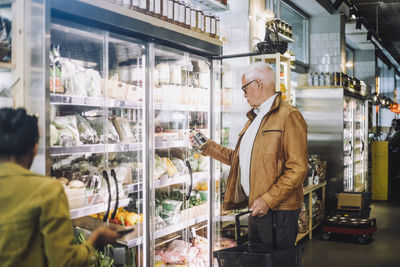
(252, 91)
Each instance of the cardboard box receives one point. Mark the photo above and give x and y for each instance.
(347, 201)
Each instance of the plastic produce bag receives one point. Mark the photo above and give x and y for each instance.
(93, 83)
(86, 133)
(180, 165)
(68, 131)
(203, 164)
(74, 79)
(105, 129)
(160, 167)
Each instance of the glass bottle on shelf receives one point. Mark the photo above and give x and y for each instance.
(202, 22)
(193, 19)
(290, 31)
(217, 28)
(164, 9)
(157, 8)
(176, 12)
(182, 13)
(170, 10)
(213, 22)
(188, 15)
(150, 7)
(135, 5)
(207, 24)
(143, 6)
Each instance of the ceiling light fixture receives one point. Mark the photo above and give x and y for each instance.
(369, 36)
(337, 4)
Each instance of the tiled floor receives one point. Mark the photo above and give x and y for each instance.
(383, 251)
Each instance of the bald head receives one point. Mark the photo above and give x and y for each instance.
(263, 72)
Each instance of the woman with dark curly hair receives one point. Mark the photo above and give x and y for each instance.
(35, 225)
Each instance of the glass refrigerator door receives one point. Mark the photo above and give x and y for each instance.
(181, 93)
(7, 75)
(348, 143)
(96, 122)
(359, 145)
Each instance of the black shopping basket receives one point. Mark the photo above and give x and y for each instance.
(256, 255)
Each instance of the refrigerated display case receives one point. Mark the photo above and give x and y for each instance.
(114, 92)
(337, 131)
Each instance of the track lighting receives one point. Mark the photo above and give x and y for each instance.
(352, 13)
(358, 24)
(369, 36)
(337, 4)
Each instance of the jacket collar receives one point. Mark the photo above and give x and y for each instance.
(12, 169)
(251, 115)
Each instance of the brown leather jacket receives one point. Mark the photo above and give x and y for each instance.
(278, 163)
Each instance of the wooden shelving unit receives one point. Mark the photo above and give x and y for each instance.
(308, 191)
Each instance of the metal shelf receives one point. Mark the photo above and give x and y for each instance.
(170, 144)
(95, 148)
(180, 107)
(57, 99)
(180, 179)
(311, 188)
(132, 188)
(210, 5)
(179, 226)
(85, 211)
(239, 109)
(285, 38)
(7, 66)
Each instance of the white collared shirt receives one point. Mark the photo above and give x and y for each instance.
(246, 145)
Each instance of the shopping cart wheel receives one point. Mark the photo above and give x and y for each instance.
(361, 239)
(326, 235)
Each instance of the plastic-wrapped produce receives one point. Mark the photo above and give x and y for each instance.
(93, 83)
(160, 167)
(105, 129)
(86, 133)
(124, 129)
(74, 79)
(203, 164)
(53, 135)
(180, 165)
(68, 134)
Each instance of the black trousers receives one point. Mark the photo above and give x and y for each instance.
(276, 230)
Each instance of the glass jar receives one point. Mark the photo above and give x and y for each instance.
(217, 28)
(157, 8)
(212, 26)
(170, 9)
(207, 24)
(199, 19)
(176, 12)
(287, 29)
(202, 22)
(278, 25)
(150, 7)
(290, 31)
(143, 6)
(182, 14)
(164, 9)
(135, 5)
(188, 15)
(193, 19)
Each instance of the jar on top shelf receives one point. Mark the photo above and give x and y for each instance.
(164, 10)
(188, 16)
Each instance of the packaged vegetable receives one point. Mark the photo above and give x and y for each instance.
(53, 135)
(124, 129)
(68, 134)
(180, 165)
(105, 129)
(203, 164)
(160, 167)
(86, 133)
(93, 83)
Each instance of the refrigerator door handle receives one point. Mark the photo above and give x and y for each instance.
(362, 146)
(191, 180)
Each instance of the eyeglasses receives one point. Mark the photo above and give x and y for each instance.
(247, 84)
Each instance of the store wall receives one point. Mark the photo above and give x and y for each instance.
(364, 67)
(327, 43)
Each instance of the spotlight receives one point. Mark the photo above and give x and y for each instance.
(352, 13)
(337, 4)
(358, 24)
(369, 36)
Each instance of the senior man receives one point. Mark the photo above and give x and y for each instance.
(269, 162)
